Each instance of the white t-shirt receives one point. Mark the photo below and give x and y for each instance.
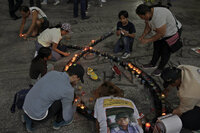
(103, 105)
(49, 36)
(41, 14)
(162, 16)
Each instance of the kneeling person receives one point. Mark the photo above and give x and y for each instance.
(53, 95)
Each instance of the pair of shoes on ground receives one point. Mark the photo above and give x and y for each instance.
(56, 3)
(92, 74)
(156, 72)
(125, 55)
(57, 125)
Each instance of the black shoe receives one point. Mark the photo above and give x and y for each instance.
(169, 4)
(15, 17)
(75, 16)
(86, 17)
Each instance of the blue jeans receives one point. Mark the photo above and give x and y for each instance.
(55, 56)
(83, 8)
(124, 43)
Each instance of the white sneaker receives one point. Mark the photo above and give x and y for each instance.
(125, 55)
(103, 0)
(56, 3)
(43, 3)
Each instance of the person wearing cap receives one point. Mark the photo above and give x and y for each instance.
(124, 124)
(51, 38)
(38, 18)
(186, 79)
(106, 94)
(53, 95)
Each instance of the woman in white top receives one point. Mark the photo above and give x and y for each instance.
(39, 21)
(161, 22)
(51, 38)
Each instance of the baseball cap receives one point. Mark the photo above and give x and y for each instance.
(170, 75)
(67, 27)
(121, 115)
(77, 69)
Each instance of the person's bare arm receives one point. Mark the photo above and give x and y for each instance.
(146, 31)
(34, 19)
(118, 32)
(160, 32)
(22, 26)
(54, 47)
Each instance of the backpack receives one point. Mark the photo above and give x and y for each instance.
(19, 99)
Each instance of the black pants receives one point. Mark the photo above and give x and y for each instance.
(32, 3)
(54, 110)
(161, 49)
(191, 119)
(83, 7)
(13, 7)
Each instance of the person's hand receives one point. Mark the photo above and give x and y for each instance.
(177, 112)
(144, 41)
(66, 54)
(166, 92)
(77, 101)
(25, 36)
(21, 35)
(141, 38)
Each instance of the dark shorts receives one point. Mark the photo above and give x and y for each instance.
(44, 25)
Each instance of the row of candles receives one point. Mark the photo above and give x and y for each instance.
(145, 78)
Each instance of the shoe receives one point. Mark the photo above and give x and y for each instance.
(57, 125)
(86, 17)
(28, 122)
(92, 74)
(103, 1)
(56, 3)
(125, 55)
(148, 66)
(15, 17)
(169, 4)
(156, 72)
(43, 3)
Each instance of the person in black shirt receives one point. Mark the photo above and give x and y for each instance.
(126, 30)
(39, 63)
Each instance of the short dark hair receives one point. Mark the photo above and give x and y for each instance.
(170, 75)
(24, 9)
(142, 9)
(107, 88)
(123, 13)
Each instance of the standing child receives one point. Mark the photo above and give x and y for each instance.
(126, 31)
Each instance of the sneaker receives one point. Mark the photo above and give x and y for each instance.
(125, 55)
(86, 17)
(57, 126)
(156, 72)
(56, 3)
(28, 122)
(103, 1)
(92, 74)
(148, 66)
(44, 3)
